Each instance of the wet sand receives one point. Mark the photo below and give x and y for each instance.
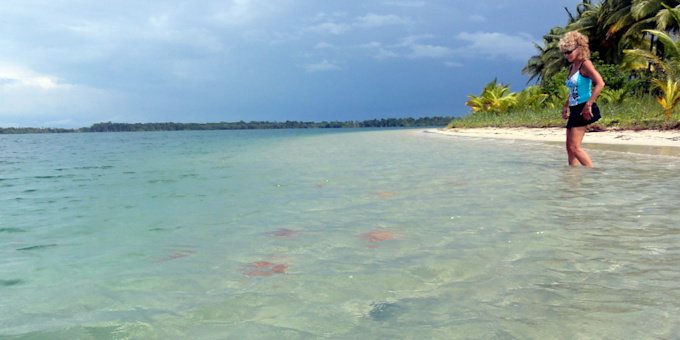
(665, 142)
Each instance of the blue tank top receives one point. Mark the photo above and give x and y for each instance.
(580, 88)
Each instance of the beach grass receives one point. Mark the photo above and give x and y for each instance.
(633, 114)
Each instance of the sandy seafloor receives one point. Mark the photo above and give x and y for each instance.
(342, 234)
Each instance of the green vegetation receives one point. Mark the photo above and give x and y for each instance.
(126, 127)
(17, 130)
(631, 114)
(635, 46)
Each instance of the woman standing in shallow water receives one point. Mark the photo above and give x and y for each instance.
(585, 85)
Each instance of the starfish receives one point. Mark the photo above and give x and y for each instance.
(283, 233)
(264, 268)
(378, 235)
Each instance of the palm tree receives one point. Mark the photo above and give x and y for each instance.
(651, 14)
(589, 18)
(621, 30)
(660, 11)
(591, 21)
(495, 98)
(654, 9)
(613, 96)
(531, 98)
(612, 26)
(670, 95)
(549, 61)
(664, 64)
(637, 34)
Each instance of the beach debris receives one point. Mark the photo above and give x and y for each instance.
(264, 268)
(283, 233)
(379, 235)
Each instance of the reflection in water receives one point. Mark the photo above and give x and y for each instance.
(637, 149)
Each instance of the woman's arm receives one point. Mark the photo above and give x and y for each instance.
(565, 109)
(589, 71)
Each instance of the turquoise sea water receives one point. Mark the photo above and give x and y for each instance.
(339, 234)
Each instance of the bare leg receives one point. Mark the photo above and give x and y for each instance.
(575, 152)
(570, 155)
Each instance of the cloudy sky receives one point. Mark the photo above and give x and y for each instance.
(72, 63)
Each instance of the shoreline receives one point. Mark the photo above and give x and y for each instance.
(658, 142)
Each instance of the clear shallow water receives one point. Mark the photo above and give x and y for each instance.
(171, 235)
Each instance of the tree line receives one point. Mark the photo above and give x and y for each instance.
(436, 121)
(635, 46)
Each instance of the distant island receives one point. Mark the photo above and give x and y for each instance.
(437, 121)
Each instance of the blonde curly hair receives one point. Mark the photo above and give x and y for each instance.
(574, 39)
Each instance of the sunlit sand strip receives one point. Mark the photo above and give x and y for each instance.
(665, 142)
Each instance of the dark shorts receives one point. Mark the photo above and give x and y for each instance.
(576, 119)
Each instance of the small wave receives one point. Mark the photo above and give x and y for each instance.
(11, 230)
(7, 283)
(161, 181)
(93, 167)
(37, 247)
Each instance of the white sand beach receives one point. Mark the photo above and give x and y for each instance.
(655, 138)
